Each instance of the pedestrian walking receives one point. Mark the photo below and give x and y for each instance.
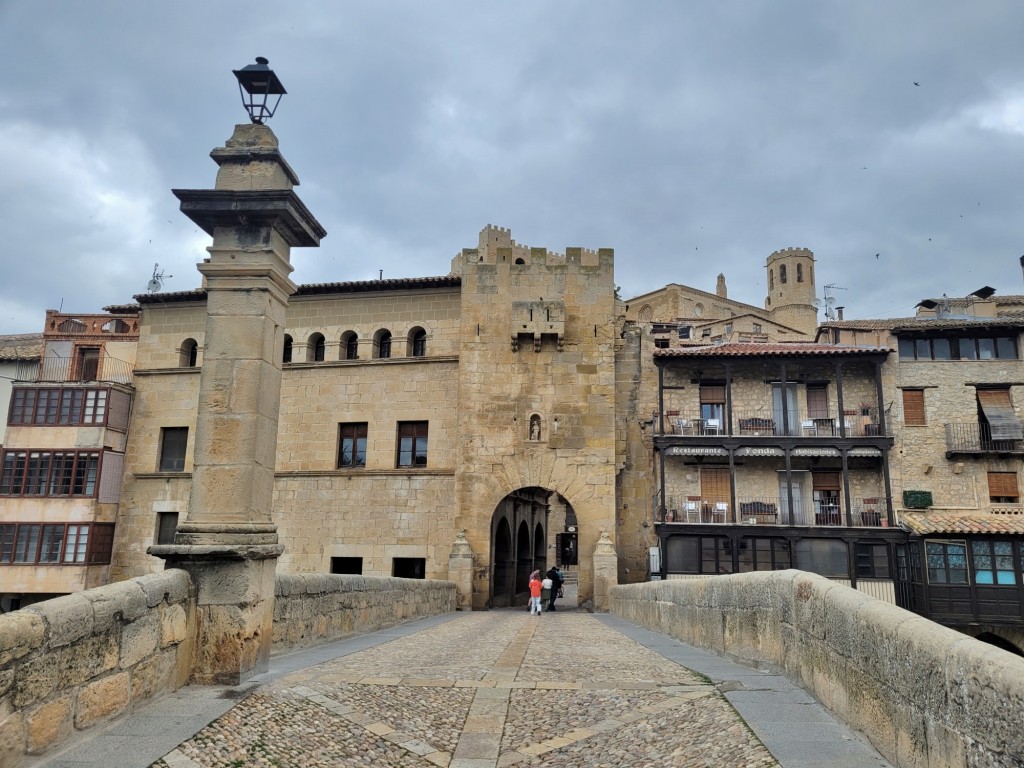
(555, 578)
(535, 590)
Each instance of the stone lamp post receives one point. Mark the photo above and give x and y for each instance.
(228, 541)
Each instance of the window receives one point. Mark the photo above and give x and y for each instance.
(352, 566)
(173, 441)
(993, 562)
(412, 444)
(728, 327)
(661, 343)
(958, 348)
(947, 562)
(1002, 488)
(188, 354)
(350, 345)
(166, 526)
(49, 473)
(409, 567)
(712, 402)
(316, 348)
(383, 344)
(764, 555)
(799, 273)
(418, 343)
(286, 354)
(757, 328)
(698, 554)
(782, 274)
(826, 557)
(55, 543)
(817, 401)
(58, 407)
(913, 408)
(88, 364)
(352, 445)
(871, 560)
(705, 332)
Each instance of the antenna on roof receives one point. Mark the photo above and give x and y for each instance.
(156, 282)
(829, 301)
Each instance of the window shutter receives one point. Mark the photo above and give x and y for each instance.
(998, 410)
(1003, 484)
(712, 393)
(913, 407)
(826, 481)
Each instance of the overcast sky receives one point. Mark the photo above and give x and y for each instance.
(693, 138)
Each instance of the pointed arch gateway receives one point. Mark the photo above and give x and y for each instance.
(520, 542)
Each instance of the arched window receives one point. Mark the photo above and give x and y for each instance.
(520, 262)
(349, 346)
(782, 273)
(771, 279)
(417, 343)
(799, 273)
(316, 348)
(188, 354)
(383, 344)
(286, 354)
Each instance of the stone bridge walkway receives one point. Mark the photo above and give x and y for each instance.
(485, 689)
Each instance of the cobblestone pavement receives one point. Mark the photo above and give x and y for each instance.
(486, 689)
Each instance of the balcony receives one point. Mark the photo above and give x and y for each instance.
(764, 423)
(772, 510)
(978, 439)
(82, 370)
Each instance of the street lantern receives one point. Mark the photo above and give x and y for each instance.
(256, 84)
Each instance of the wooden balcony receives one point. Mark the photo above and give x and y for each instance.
(763, 423)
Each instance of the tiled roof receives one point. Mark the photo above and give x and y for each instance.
(924, 523)
(310, 289)
(21, 346)
(778, 349)
(1006, 320)
(865, 325)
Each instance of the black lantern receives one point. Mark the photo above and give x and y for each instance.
(257, 83)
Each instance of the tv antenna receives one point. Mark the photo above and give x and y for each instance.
(156, 282)
(828, 301)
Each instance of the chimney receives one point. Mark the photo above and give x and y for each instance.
(839, 313)
(1022, 263)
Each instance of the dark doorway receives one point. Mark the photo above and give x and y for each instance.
(409, 567)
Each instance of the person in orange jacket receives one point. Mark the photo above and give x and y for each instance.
(535, 587)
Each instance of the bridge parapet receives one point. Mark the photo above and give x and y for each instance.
(923, 694)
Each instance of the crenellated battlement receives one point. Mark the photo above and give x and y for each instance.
(497, 247)
(789, 252)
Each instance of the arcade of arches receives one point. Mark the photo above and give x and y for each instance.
(527, 525)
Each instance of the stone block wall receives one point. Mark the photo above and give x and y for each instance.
(312, 609)
(923, 694)
(70, 663)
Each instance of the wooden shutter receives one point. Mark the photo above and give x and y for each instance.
(826, 481)
(714, 485)
(817, 402)
(998, 410)
(913, 407)
(712, 393)
(1003, 484)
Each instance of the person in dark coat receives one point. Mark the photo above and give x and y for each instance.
(556, 584)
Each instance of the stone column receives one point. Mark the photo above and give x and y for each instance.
(606, 571)
(228, 541)
(460, 571)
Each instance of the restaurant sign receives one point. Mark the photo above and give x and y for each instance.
(694, 450)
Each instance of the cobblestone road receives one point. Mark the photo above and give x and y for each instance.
(487, 689)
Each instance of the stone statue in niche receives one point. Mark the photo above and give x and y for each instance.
(535, 427)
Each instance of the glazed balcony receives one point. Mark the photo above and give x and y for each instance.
(765, 423)
(977, 438)
(772, 510)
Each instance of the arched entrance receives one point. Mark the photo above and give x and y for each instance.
(518, 544)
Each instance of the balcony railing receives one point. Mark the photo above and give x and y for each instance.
(767, 424)
(977, 438)
(79, 370)
(772, 510)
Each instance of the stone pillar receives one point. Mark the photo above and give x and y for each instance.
(228, 541)
(606, 571)
(460, 571)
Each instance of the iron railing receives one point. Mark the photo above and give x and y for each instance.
(771, 510)
(52, 368)
(765, 423)
(977, 438)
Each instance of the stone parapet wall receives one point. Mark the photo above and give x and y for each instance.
(924, 694)
(311, 609)
(69, 663)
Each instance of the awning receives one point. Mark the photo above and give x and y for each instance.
(998, 410)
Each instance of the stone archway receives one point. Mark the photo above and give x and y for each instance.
(518, 545)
